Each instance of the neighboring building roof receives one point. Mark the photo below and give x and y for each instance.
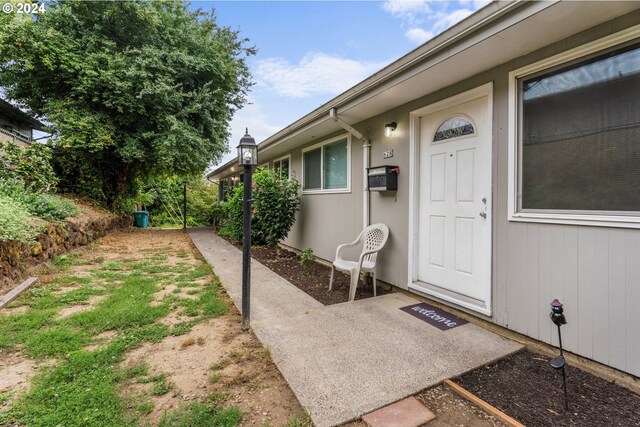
(495, 34)
(17, 114)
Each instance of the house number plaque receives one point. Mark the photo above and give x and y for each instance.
(387, 154)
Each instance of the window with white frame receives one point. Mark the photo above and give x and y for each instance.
(282, 167)
(326, 166)
(578, 137)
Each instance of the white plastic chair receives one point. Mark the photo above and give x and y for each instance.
(373, 238)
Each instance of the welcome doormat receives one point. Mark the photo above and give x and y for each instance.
(434, 316)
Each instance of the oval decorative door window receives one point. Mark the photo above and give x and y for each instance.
(453, 128)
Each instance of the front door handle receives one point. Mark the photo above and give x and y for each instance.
(483, 214)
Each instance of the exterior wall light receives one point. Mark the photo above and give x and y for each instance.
(389, 127)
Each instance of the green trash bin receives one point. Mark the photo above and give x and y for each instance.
(141, 219)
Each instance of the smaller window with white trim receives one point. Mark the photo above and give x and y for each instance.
(282, 167)
(326, 166)
(453, 128)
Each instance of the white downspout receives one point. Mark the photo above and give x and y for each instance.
(366, 145)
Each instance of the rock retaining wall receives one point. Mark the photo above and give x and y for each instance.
(58, 238)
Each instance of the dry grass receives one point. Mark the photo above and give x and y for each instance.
(187, 342)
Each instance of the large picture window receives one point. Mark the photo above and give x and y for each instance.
(578, 137)
(326, 166)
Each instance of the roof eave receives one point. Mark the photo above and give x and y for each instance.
(16, 113)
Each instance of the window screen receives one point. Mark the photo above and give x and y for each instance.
(312, 168)
(335, 165)
(580, 136)
(284, 169)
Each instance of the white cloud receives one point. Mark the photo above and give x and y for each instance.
(426, 18)
(477, 4)
(447, 20)
(251, 116)
(408, 10)
(418, 35)
(316, 73)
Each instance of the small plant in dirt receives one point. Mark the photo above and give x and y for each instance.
(214, 377)
(306, 257)
(275, 204)
(296, 421)
(160, 388)
(202, 414)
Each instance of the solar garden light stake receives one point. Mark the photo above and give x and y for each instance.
(247, 157)
(558, 362)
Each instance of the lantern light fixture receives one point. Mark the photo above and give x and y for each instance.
(389, 127)
(247, 150)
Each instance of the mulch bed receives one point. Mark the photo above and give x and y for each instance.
(525, 387)
(312, 278)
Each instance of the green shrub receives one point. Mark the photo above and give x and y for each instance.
(275, 203)
(50, 207)
(15, 221)
(30, 166)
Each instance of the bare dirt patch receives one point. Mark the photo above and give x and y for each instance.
(15, 372)
(101, 340)
(450, 410)
(6, 311)
(91, 303)
(173, 319)
(218, 361)
(170, 290)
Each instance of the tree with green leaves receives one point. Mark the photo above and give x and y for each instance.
(133, 89)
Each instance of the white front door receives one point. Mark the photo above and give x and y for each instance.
(454, 208)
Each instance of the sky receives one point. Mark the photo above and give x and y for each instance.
(311, 51)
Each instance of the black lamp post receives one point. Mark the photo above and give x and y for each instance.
(184, 205)
(247, 157)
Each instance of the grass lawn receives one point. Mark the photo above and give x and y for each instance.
(87, 314)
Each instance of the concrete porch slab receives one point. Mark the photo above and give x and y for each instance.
(346, 360)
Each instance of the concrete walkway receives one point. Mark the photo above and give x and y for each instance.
(345, 360)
